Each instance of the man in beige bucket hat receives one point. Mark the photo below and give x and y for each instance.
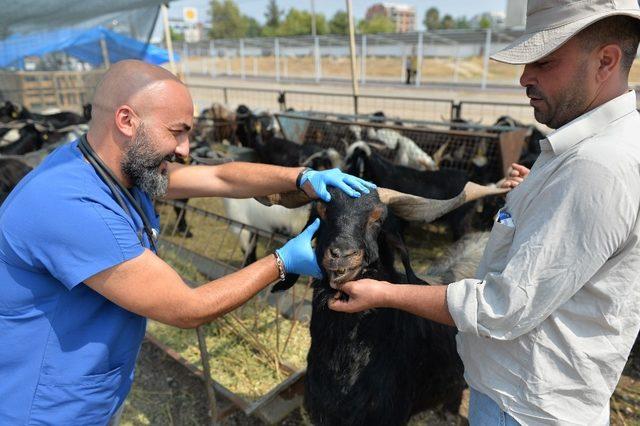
(546, 326)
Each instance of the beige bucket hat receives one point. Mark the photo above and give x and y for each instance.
(551, 23)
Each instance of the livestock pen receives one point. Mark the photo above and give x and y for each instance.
(253, 358)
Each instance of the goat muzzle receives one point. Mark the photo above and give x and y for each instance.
(342, 265)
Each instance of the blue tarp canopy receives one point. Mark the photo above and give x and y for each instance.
(81, 43)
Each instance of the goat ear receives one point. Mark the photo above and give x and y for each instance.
(376, 214)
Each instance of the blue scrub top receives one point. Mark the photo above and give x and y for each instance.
(67, 354)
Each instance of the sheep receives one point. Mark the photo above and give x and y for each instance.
(461, 259)
(380, 366)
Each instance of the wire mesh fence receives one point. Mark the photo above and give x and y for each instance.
(253, 352)
(403, 108)
(488, 112)
(448, 56)
(458, 147)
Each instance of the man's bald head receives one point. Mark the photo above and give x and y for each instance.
(134, 83)
(141, 117)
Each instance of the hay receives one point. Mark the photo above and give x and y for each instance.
(242, 357)
(245, 346)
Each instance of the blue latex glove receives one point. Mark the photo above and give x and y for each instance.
(298, 256)
(351, 185)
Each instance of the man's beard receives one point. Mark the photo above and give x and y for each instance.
(571, 104)
(141, 164)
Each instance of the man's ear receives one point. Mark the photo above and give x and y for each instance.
(124, 118)
(610, 58)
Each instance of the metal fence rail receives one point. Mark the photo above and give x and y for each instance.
(443, 56)
(401, 107)
(202, 246)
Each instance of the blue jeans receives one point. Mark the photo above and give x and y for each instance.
(484, 412)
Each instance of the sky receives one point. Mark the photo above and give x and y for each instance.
(256, 8)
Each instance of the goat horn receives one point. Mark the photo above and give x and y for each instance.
(414, 208)
(473, 191)
(290, 200)
(437, 156)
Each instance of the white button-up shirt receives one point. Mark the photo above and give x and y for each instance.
(547, 326)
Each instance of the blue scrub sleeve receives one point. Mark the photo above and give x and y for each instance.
(76, 242)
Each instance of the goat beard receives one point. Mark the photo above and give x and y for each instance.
(141, 164)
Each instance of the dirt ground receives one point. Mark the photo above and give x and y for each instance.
(463, 70)
(166, 393)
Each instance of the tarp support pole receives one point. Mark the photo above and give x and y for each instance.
(105, 52)
(167, 38)
(352, 47)
(485, 64)
(276, 48)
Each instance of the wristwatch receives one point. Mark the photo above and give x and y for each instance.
(300, 175)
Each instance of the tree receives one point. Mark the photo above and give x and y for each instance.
(253, 27)
(462, 23)
(377, 24)
(339, 23)
(273, 14)
(485, 21)
(298, 22)
(176, 36)
(432, 19)
(447, 22)
(273, 17)
(226, 20)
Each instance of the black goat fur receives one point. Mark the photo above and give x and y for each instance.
(380, 366)
(436, 185)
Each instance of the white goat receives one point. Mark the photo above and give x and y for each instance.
(270, 219)
(407, 152)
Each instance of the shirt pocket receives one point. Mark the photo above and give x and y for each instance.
(84, 400)
(495, 254)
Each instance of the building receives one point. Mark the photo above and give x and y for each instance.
(402, 15)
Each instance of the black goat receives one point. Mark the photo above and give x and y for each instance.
(10, 112)
(439, 184)
(32, 138)
(12, 171)
(380, 366)
(532, 150)
(256, 132)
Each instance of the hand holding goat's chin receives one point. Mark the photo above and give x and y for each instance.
(362, 295)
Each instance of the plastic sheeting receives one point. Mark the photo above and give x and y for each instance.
(83, 44)
(20, 17)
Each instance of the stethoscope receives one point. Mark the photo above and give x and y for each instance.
(117, 189)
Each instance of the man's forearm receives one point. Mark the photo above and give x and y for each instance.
(250, 180)
(235, 179)
(429, 302)
(229, 292)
